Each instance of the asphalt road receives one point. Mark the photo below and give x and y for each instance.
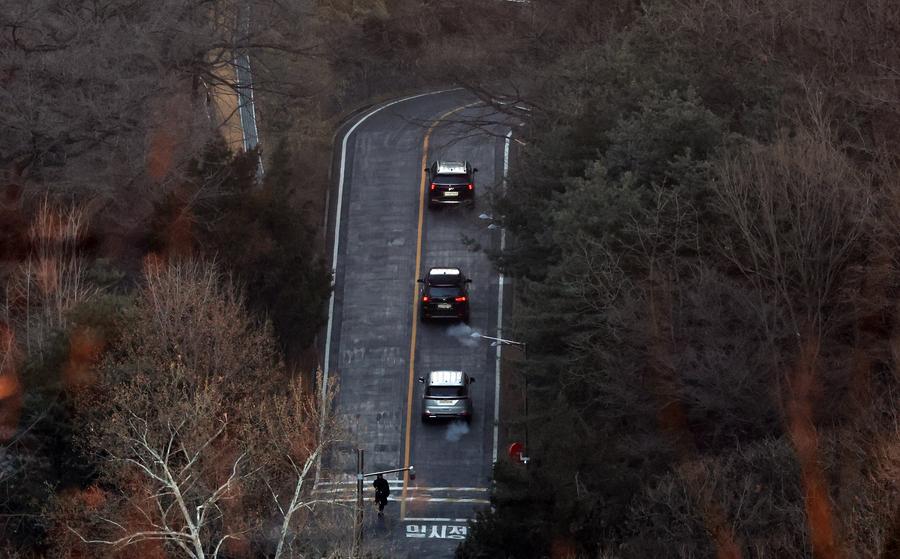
(385, 240)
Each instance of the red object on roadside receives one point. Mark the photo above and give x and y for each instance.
(516, 451)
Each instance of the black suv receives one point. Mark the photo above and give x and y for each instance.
(451, 182)
(445, 294)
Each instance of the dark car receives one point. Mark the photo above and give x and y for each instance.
(451, 182)
(445, 294)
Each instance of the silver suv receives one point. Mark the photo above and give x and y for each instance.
(446, 395)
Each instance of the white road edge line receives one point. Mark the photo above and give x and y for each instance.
(337, 230)
(500, 311)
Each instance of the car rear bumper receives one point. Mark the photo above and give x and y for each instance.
(465, 197)
(446, 415)
(451, 314)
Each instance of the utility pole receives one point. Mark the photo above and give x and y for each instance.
(358, 524)
(360, 477)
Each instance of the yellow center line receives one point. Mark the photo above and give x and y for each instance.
(415, 303)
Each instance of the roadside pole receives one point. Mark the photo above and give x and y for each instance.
(357, 525)
(360, 477)
(499, 342)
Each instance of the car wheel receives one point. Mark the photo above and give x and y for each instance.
(465, 318)
(422, 317)
(424, 418)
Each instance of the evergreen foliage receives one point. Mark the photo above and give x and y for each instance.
(270, 248)
(690, 295)
(255, 233)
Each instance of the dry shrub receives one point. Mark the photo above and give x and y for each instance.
(191, 313)
(863, 459)
(10, 388)
(52, 279)
(756, 488)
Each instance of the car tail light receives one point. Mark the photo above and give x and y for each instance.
(460, 299)
(471, 186)
(433, 186)
(425, 299)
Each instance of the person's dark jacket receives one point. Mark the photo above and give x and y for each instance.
(382, 489)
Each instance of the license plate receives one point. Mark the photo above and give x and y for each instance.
(445, 306)
(451, 194)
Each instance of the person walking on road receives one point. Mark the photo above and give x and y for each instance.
(382, 490)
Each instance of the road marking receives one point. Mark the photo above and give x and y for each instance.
(444, 500)
(353, 482)
(416, 499)
(417, 490)
(500, 310)
(415, 301)
(475, 489)
(411, 519)
(437, 531)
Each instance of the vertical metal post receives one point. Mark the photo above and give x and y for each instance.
(527, 448)
(358, 523)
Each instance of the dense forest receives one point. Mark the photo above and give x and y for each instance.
(160, 296)
(702, 222)
(705, 215)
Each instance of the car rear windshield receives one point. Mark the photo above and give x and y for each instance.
(443, 291)
(446, 392)
(451, 179)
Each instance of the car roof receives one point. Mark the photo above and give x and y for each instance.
(445, 378)
(452, 168)
(445, 276)
(444, 272)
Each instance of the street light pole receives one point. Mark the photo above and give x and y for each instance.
(524, 346)
(360, 476)
(502, 341)
(358, 523)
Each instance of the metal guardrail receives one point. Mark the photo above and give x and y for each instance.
(244, 87)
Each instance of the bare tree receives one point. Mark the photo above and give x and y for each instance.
(297, 432)
(102, 99)
(801, 210)
(180, 510)
(178, 519)
(203, 430)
